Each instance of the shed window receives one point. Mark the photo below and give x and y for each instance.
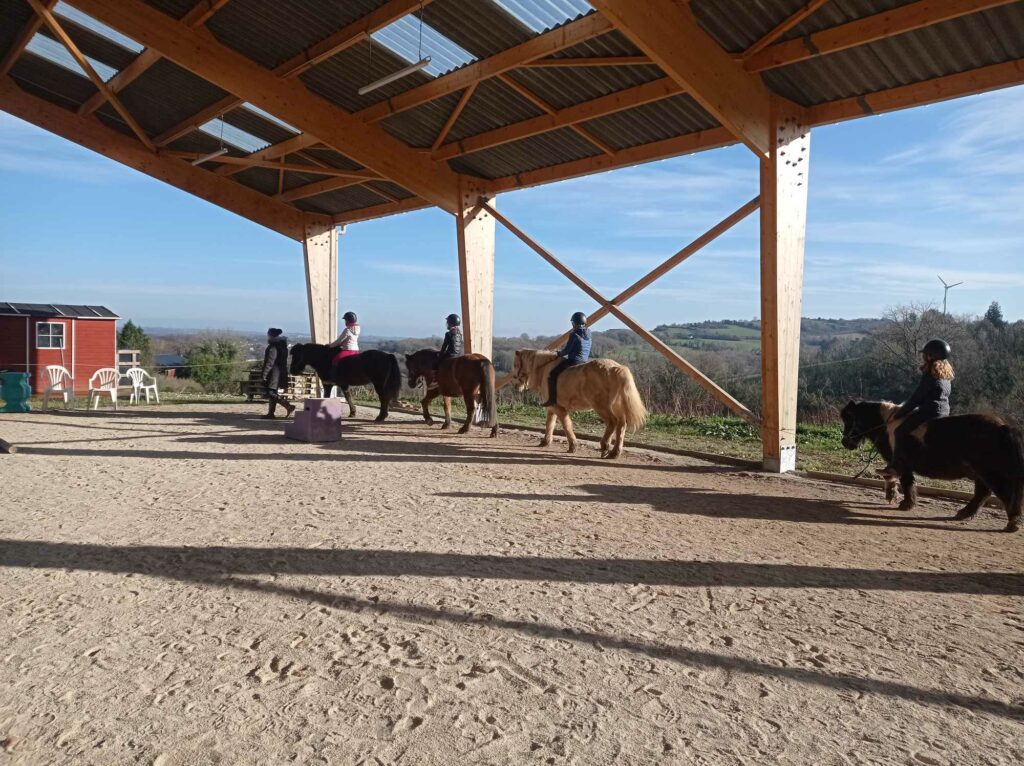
(50, 335)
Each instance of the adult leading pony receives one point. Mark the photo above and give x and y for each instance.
(601, 385)
(978, 447)
(464, 376)
(371, 367)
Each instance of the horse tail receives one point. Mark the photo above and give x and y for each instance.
(392, 379)
(488, 395)
(1015, 509)
(626, 404)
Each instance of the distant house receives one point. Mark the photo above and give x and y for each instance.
(171, 365)
(81, 339)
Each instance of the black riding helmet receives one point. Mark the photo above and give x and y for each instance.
(453, 320)
(350, 317)
(937, 349)
(579, 319)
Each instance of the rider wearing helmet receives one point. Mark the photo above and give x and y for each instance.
(452, 344)
(576, 351)
(929, 401)
(348, 341)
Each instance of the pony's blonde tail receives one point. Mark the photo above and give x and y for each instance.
(627, 405)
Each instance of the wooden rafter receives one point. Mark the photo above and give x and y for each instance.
(667, 31)
(898, 21)
(547, 108)
(290, 167)
(344, 38)
(93, 134)
(784, 26)
(589, 61)
(467, 94)
(230, 70)
(200, 13)
(537, 47)
(23, 39)
(572, 115)
(51, 22)
(703, 380)
(327, 185)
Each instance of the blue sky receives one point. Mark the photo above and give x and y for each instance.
(894, 200)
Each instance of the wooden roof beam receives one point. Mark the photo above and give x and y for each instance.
(327, 185)
(537, 47)
(381, 211)
(467, 94)
(287, 100)
(667, 31)
(589, 61)
(48, 18)
(898, 21)
(23, 39)
(344, 38)
(93, 134)
(288, 167)
(572, 115)
(784, 26)
(200, 13)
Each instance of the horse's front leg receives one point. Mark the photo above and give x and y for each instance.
(549, 428)
(425, 403)
(447, 413)
(570, 435)
(348, 398)
(981, 494)
(890, 491)
(909, 488)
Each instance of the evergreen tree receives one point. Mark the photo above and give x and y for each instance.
(131, 336)
(994, 316)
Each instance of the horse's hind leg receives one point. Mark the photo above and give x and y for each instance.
(447, 413)
(549, 428)
(609, 434)
(382, 395)
(909, 491)
(570, 435)
(620, 436)
(348, 398)
(470, 400)
(981, 494)
(890, 491)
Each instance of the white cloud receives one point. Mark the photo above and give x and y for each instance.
(27, 149)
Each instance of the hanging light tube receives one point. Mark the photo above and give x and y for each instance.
(422, 63)
(211, 156)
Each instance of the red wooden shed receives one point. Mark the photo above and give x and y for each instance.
(81, 339)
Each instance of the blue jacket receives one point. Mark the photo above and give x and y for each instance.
(577, 348)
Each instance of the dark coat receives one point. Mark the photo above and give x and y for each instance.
(930, 399)
(452, 345)
(275, 363)
(577, 348)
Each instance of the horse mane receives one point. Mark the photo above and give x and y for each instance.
(534, 360)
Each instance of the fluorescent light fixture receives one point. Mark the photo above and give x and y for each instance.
(421, 64)
(211, 156)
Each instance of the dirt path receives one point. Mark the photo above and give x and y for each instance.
(180, 585)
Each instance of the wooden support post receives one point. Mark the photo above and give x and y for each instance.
(476, 269)
(320, 249)
(784, 177)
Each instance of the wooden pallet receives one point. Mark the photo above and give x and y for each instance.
(299, 387)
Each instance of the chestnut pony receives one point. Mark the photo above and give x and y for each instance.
(464, 376)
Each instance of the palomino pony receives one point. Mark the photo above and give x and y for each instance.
(464, 376)
(372, 367)
(601, 385)
(978, 447)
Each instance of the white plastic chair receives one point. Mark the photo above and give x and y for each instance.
(102, 382)
(61, 383)
(142, 382)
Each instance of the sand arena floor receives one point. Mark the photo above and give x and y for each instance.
(181, 585)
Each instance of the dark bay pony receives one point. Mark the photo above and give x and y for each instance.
(978, 447)
(464, 376)
(371, 367)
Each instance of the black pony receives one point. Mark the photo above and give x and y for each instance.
(978, 447)
(372, 367)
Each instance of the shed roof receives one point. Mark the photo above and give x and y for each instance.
(56, 310)
(514, 114)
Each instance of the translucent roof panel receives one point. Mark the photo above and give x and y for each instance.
(233, 136)
(83, 20)
(269, 116)
(407, 37)
(541, 15)
(51, 50)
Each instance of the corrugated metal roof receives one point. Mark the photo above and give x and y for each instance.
(479, 26)
(262, 180)
(94, 46)
(165, 94)
(652, 122)
(567, 87)
(272, 31)
(419, 127)
(955, 46)
(15, 14)
(341, 201)
(391, 188)
(541, 15)
(258, 126)
(836, 12)
(51, 82)
(532, 153)
(493, 105)
(332, 158)
(56, 310)
(173, 8)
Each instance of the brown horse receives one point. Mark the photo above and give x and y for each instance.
(978, 447)
(601, 385)
(464, 376)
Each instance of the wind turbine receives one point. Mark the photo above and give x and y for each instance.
(945, 293)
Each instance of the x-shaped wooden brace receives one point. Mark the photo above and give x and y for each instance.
(613, 306)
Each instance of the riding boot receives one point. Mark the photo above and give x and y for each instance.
(552, 391)
(271, 409)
